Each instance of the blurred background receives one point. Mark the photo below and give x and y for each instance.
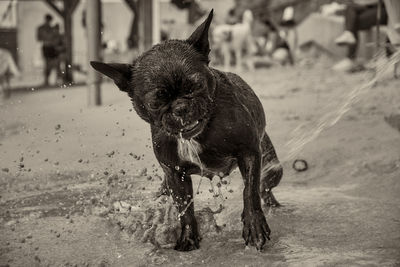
(305, 26)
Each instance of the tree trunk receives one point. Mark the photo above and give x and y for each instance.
(66, 14)
(93, 27)
(133, 38)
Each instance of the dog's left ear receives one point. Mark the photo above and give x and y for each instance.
(199, 38)
(119, 73)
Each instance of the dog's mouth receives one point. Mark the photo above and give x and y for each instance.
(192, 129)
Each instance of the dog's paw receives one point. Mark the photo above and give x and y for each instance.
(189, 239)
(255, 229)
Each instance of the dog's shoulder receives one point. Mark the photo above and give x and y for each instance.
(231, 80)
(241, 96)
(237, 80)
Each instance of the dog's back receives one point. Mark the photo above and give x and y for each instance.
(244, 96)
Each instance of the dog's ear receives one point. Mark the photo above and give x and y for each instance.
(199, 38)
(119, 73)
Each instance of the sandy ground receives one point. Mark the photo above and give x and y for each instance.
(77, 184)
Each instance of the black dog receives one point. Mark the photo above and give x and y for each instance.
(203, 121)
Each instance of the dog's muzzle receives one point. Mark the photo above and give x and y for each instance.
(186, 118)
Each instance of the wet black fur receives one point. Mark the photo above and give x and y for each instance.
(172, 84)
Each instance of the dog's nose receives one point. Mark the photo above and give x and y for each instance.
(179, 111)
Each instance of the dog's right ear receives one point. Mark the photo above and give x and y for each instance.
(119, 73)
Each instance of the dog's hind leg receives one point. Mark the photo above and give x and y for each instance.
(271, 172)
(255, 228)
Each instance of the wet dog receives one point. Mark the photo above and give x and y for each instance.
(203, 121)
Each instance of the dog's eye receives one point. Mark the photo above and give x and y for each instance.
(189, 90)
(153, 105)
(162, 94)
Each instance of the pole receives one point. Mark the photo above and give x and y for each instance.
(148, 24)
(156, 22)
(69, 8)
(93, 19)
(68, 45)
(146, 31)
(133, 38)
(378, 22)
(141, 31)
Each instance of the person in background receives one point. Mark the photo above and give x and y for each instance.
(276, 45)
(393, 10)
(59, 57)
(44, 34)
(359, 15)
(8, 69)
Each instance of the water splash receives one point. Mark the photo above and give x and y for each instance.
(300, 138)
(189, 150)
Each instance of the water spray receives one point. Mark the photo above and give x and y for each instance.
(301, 139)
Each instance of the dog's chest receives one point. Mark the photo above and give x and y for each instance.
(192, 151)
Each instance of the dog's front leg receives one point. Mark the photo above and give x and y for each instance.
(255, 227)
(180, 186)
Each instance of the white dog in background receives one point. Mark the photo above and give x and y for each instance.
(238, 39)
